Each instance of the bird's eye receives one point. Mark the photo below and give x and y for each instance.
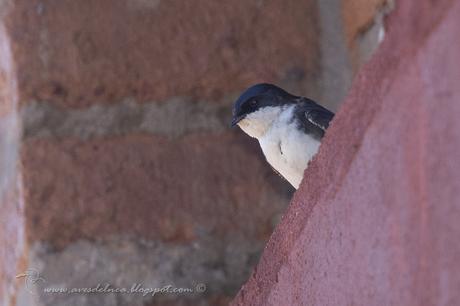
(253, 103)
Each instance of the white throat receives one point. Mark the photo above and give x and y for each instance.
(257, 123)
(286, 148)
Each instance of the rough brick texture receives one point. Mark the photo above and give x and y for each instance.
(118, 186)
(83, 52)
(375, 221)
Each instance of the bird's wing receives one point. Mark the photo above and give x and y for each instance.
(317, 117)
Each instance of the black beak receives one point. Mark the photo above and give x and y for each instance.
(237, 119)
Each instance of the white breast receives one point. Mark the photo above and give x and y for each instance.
(287, 149)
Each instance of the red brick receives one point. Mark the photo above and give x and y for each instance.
(82, 52)
(148, 186)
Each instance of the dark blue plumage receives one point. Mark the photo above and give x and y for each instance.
(312, 117)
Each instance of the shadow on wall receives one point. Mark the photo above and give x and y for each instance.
(130, 172)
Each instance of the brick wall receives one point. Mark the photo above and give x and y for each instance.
(117, 162)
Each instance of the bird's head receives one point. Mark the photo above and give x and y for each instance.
(258, 106)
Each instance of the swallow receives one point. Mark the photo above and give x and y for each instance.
(289, 128)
